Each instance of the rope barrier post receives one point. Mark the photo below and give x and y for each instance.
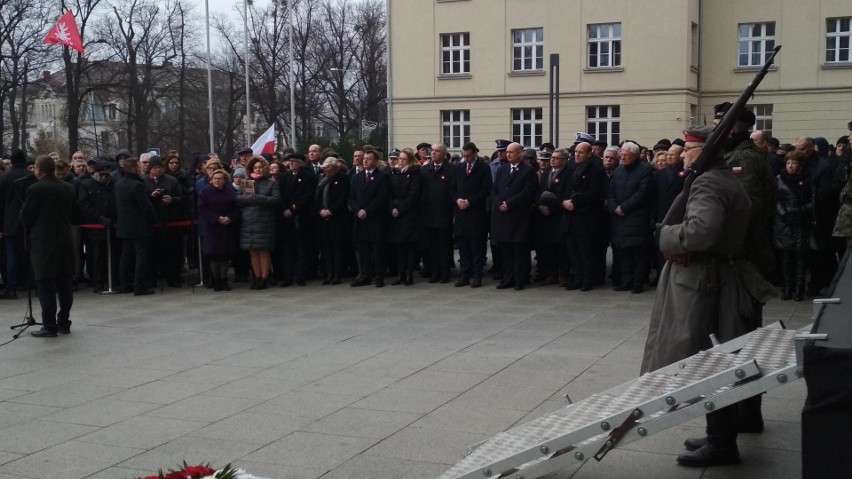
(110, 289)
(200, 268)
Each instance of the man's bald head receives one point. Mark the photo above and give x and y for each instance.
(514, 153)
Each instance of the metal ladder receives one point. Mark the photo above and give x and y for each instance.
(728, 373)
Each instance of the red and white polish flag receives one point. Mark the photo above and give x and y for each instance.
(65, 32)
(266, 142)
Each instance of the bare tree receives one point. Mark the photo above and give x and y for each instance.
(83, 74)
(22, 24)
(138, 34)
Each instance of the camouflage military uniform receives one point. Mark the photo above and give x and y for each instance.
(843, 225)
(757, 179)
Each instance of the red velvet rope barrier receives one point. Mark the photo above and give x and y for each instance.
(170, 224)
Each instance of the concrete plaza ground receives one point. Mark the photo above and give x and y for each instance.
(338, 382)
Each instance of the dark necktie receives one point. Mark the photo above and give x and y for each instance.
(469, 167)
(514, 170)
(552, 176)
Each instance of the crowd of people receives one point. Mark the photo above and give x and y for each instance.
(550, 214)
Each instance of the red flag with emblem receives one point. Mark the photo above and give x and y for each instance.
(65, 32)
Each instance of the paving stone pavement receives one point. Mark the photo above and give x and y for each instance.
(338, 382)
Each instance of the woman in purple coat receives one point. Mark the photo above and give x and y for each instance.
(218, 212)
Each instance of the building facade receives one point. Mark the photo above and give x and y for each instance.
(478, 70)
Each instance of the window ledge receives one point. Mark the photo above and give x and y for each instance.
(455, 76)
(527, 73)
(772, 68)
(836, 66)
(603, 70)
(447, 1)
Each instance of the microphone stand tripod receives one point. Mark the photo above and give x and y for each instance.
(28, 320)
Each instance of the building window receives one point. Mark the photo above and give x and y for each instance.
(455, 127)
(838, 36)
(455, 53)
(106, 137)
(763, 118)
(528, 49)
(757, 40)
(527, 126)
(605, 45)
(604, 123)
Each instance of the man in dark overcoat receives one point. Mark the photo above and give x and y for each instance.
(582, 202)
(511, 203)
(46, 215)
(368, 200)
(436, 212)
(298, 186)
(166, 195)
(96, 201)
(551, 256)
(470, 193)
(10, 226)
(135, 228)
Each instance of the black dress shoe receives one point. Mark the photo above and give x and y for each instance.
(9, 295)
(638, 289)
(145, 292)
(462, 282)
(573, 286)
(380, 283)
(623, 287)
(476, 283)
(519, 286)
(360, 282)
(44, 333)
(434, 279)
(444, 279)
(506, 285)
(64, 328)
(286, 283)
(587, 287)
(710, 455)
(300, 282)
(398, 281)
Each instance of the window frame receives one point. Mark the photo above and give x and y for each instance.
(535, 46)
(763, 115)
(612, 42)
(609, 115)
(765, 40)
(457, 121)
(459, 43)
(837, 35)
(528, 127)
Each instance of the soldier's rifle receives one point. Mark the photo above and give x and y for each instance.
(715, 143)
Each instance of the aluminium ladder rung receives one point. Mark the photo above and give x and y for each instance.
(593, 416)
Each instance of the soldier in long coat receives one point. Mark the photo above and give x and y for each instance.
(705, 287)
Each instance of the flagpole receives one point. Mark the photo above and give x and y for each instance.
(292, 78)
(248, 97)
(209, 75)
